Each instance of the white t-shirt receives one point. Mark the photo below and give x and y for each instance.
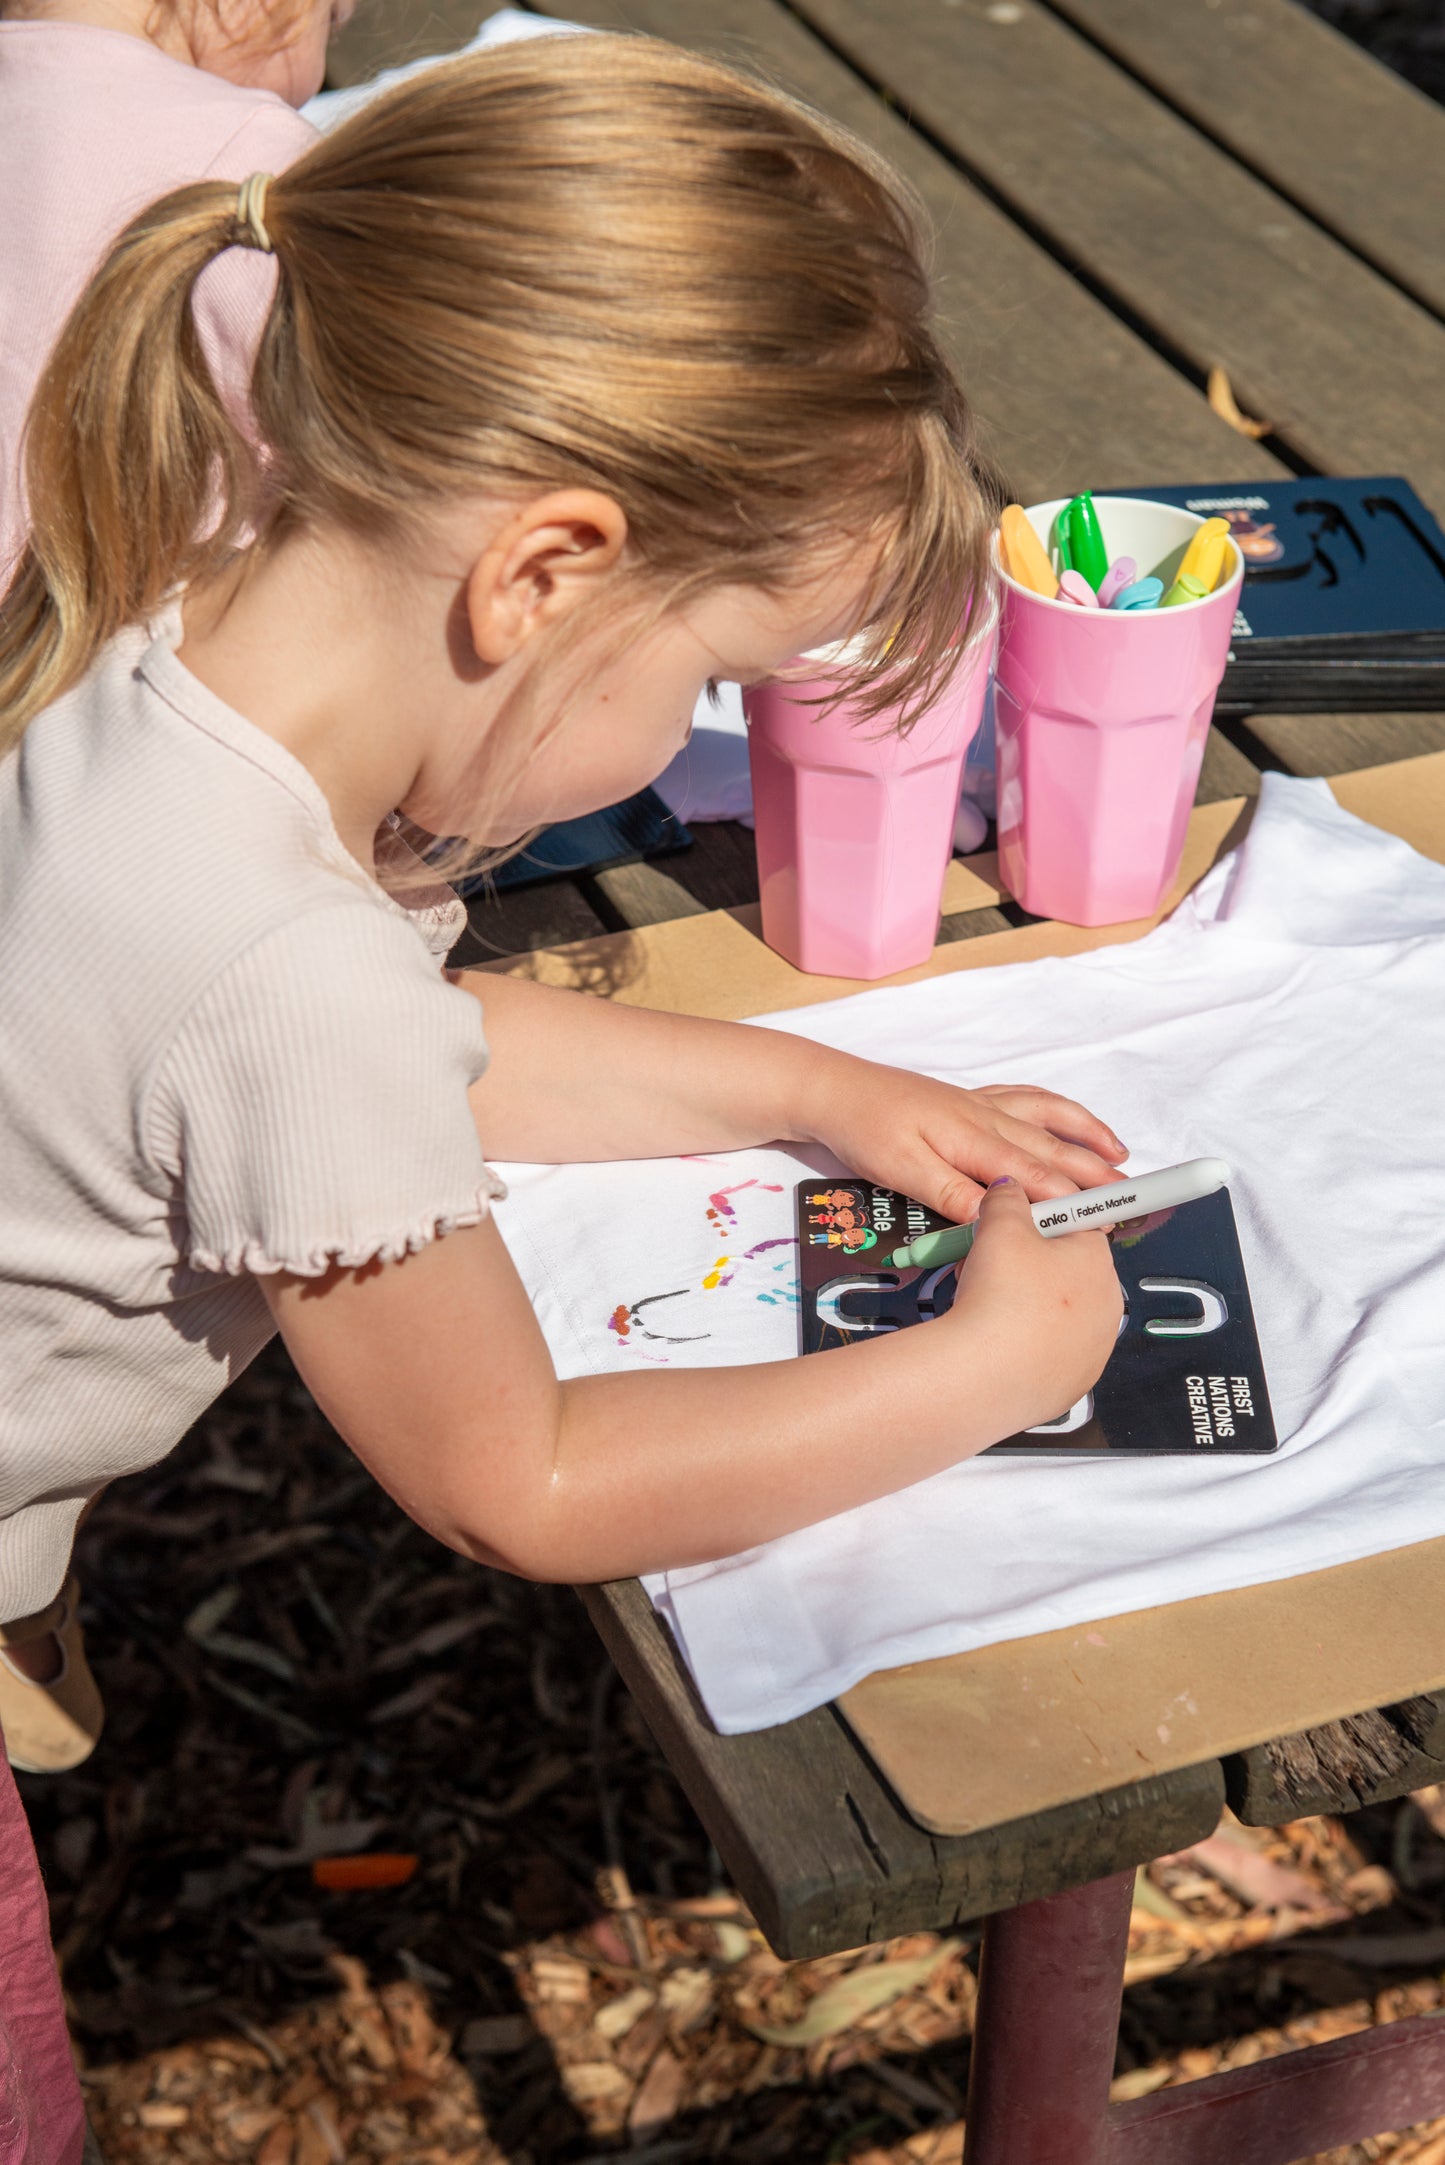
(225, 1050)
(1290, 1018)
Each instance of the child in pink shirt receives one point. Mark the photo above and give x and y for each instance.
(106, 105)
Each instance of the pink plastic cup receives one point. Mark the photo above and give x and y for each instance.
(1101, 718)
(854, 822)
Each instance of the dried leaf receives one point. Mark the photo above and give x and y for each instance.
(214, 1610)
(659, 2097)
(413, 1699)
(229, 1646)
(1255, 1878)
(289, 1724)
(855, 1994)
(1221, 398)
(549, 1773)
(436, 1639)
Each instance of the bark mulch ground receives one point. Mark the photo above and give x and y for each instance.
(296, 1677)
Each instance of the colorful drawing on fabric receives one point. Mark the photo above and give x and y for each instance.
(774, 1283)
(722, 1213)
(625, 1320)
(721, 1275)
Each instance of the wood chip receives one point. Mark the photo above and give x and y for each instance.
(618, 2016)
(557, 1978)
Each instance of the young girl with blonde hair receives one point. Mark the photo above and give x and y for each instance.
(594, 372)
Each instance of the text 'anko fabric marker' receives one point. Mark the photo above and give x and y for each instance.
(1081, 1213)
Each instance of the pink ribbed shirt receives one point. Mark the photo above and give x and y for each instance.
(94, 125)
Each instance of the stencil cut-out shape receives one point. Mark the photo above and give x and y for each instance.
(1213, 1308)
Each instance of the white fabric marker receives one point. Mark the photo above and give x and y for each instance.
(1090, 1209)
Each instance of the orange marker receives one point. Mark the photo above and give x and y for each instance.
(1025, 558)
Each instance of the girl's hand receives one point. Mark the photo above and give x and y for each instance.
(1048, 1308)
(943, 1145)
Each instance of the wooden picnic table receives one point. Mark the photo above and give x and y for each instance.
(1126, 197)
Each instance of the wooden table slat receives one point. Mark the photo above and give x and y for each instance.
(1219, 267)
(1339, 743)
(1048, 423)
(819, 1848)
(1352, 144)
(520, 920)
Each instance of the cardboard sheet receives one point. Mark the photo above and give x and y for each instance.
(983, 1737)
(717, 965)
(980, 1738)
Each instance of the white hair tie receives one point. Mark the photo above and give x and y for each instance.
(250, 213)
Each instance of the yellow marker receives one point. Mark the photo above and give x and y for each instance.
(1205, 557)
(1025, 558)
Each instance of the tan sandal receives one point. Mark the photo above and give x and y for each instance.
(53, 1726)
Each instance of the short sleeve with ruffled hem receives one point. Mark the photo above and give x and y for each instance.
(312, 1107)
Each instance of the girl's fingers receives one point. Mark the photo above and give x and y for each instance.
(1062, 1117)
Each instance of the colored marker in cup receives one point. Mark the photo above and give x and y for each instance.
(1204, 559)
(1185, 588)
(1073, 586)
(1025, 558)
(1143, 594)
(1121, 573)
(1080, 543)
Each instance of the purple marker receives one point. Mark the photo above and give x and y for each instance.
(1121, 573)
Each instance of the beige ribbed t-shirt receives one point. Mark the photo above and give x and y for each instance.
(223, 1050)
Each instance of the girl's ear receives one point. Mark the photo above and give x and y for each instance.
(549, 557)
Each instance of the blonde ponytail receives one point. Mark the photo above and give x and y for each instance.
(590, 261)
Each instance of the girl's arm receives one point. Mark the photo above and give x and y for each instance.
(435, 1372)
(574, 1078)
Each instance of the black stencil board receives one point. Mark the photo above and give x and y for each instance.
(1329, 559)
(1193, 1382)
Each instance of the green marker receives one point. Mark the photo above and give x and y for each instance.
(950, 1245)
(1185, 588)
(1087, 554)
